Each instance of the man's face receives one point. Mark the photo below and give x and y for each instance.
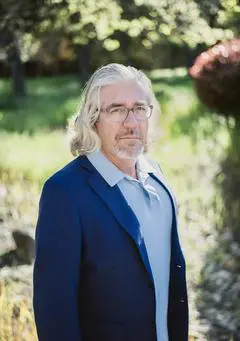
(127, 139)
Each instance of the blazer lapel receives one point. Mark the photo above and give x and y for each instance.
(157, 175)
(115, 201)
(176, 251)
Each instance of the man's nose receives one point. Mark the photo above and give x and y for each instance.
(130, 119)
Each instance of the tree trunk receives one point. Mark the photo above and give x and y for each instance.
(83, 58)
(17, 71)
(16, 66)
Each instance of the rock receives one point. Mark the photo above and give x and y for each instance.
(25, 246)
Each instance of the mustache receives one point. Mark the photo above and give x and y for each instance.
(130, 132)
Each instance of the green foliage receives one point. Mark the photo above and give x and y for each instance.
(21, 16)
(221, 13)
(48, 106)
(99, 22)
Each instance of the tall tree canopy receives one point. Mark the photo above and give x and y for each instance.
(99, 30)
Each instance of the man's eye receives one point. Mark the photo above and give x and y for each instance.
(115, 111)
(141, 109)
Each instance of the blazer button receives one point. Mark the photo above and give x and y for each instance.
(179, 266)
(182, 301)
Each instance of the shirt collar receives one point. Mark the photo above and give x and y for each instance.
(143, 167)
(113, 175)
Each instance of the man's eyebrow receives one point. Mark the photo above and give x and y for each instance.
(115, 105)
(141, 103)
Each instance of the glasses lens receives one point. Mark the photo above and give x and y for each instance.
(142, 112)
(119, 114)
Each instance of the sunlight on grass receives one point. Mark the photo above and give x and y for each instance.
(33, 157)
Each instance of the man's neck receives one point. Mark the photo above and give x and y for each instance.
(127, 166)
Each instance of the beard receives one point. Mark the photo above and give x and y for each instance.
(129, 149)
(129, 153)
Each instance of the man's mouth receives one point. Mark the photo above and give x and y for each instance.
(130, 137)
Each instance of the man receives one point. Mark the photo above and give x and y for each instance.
(109, 266)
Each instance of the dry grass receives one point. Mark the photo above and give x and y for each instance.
(16, 319)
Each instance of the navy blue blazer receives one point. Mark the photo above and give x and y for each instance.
(92, 277)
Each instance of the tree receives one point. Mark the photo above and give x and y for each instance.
(118, 30)
(16, 19)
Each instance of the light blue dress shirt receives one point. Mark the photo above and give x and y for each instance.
(152, 206)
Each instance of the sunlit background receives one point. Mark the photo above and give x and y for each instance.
(48, 49)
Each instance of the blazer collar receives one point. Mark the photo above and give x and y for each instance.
(113, 175)
(144, 164)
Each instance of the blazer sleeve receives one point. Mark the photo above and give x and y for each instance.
(57, 266)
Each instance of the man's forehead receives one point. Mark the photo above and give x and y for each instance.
(124, 91)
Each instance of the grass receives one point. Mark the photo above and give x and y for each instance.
(16, 321)
(48, 105)
(32, 157)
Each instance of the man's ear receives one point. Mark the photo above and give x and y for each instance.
(94, 127)
(95, 124)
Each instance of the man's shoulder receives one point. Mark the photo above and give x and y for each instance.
(66, 177)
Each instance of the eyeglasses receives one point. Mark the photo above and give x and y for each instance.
(120, 113)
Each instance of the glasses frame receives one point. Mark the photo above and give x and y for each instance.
(107, 110)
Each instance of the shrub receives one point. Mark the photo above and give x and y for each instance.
(216, 73)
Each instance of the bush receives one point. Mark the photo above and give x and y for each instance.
(217, 77)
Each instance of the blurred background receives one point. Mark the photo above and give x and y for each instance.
(190, 50)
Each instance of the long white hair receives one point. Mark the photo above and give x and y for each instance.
(83, 136)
